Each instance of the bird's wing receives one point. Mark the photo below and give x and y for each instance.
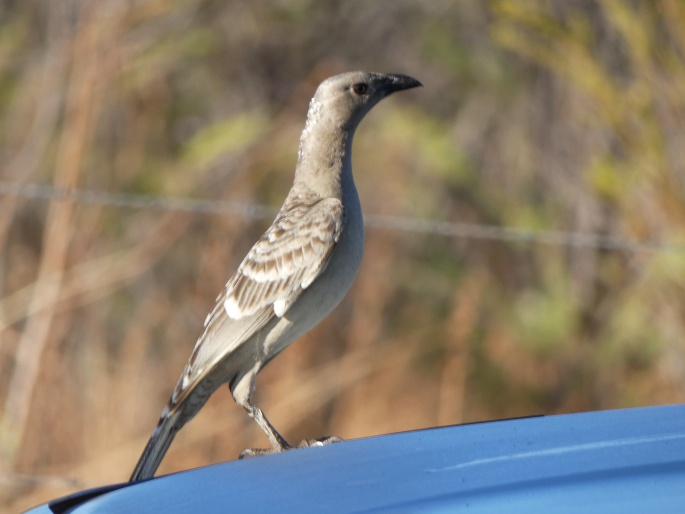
(282, 263)
(286, 259)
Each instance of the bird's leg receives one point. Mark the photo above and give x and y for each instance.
(277, 441)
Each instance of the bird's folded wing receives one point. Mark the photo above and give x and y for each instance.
(281, 264)
(286, 259)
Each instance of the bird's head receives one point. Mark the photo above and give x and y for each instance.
(345, 99)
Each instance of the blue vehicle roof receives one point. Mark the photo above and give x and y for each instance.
(620, 461)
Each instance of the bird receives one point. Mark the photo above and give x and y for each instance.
(293, 276)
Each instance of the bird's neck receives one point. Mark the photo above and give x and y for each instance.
(324, 161)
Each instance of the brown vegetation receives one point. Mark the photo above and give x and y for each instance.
(544, 115)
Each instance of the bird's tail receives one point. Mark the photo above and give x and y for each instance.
(157, 446)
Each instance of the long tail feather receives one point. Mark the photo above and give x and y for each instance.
(157, 446)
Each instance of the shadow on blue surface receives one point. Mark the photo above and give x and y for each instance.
(622, 461)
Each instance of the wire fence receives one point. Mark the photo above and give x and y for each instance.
(253, 211)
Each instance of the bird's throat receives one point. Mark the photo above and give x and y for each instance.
(324, 160)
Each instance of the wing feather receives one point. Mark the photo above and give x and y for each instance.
(287, 258)
(283, 262)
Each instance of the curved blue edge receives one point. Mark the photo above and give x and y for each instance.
(622, 461)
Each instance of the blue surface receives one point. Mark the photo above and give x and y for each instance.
(623, 461)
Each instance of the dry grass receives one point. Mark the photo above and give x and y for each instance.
(544, 114)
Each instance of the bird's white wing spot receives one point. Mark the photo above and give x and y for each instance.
(232, 308)
(280, 307)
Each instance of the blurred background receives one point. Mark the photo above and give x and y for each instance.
(525, 247)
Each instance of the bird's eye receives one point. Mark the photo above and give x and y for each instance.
(360, 88)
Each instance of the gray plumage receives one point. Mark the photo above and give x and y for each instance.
(295, 274)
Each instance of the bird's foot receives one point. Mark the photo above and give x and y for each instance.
(256, 452)
(306, 443)
(321, 441)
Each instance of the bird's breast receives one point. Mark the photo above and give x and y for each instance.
(326, 292)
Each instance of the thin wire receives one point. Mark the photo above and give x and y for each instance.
(254, 211)
(19, 480)
(134, 201)
(525, 235)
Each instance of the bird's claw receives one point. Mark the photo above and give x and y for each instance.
(256, 452)
(321, 441)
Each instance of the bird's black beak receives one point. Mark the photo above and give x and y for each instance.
(396, 82)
